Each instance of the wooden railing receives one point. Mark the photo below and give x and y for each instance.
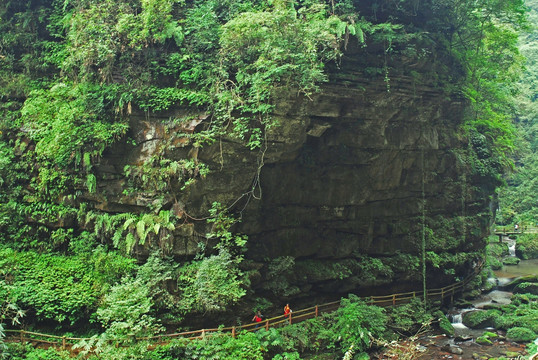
(65, 342)
(508, 230)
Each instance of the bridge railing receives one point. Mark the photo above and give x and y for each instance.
(294, 317)
(510, 230)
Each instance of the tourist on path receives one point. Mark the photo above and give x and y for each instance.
(287, 310)
(258, 317)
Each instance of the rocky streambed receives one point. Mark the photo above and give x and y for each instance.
(482, 342)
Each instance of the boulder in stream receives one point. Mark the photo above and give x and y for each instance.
(480, 319)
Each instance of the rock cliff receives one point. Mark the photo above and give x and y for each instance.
(340, 196)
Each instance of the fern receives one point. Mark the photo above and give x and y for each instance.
(91, 183)
(130, 242)
(87, 161)
(140, 230)
(139, 227)
(358, 32)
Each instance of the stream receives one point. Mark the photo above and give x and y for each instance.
(462, 346)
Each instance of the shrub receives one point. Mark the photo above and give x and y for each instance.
(357, 323)
(211, 284)
(29, 352)
(65, 289)
(246, 346)
(409, 318)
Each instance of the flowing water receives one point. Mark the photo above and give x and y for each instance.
(463, 346)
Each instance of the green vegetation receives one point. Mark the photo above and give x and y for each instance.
(480, 319)
(73, 72)
(520, 334)
(527, 246)
(517, 200)
(355, 328)
(485, 338)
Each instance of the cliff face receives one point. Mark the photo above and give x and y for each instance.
(340, 197)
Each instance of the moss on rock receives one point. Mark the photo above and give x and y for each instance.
(526, 288)
(520, 334)
(479, 319)
(512, 260)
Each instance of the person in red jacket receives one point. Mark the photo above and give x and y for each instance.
(287, 310)
(258, 317)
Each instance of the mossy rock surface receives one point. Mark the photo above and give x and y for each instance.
(523, 279)
(446, 327)
(494, 263)
(526, 288)
(520, 334)
(512, 260)
(527, 246)
(483, 341)
(480, 319)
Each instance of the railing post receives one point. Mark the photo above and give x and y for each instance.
(63, 342)
(233, 332)
(22, 336)
(289, 318)
(316, 311)
(203, 333)
(394, 299)
(442, 294)
(267, 324)
(414, 294)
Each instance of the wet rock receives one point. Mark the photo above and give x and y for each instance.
(512, 260)
(463, 338)
(480, 319)
(453, 349)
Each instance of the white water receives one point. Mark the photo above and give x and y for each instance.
(511, 246)
(503, 277)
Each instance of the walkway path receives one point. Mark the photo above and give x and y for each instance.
(65, 342)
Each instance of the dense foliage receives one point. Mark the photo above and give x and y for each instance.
(73, 71)
(354, 329)
(517, 200)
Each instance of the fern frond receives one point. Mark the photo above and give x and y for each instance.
(140, 230)
(128, 222)
(359, 33)
(130, 242)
